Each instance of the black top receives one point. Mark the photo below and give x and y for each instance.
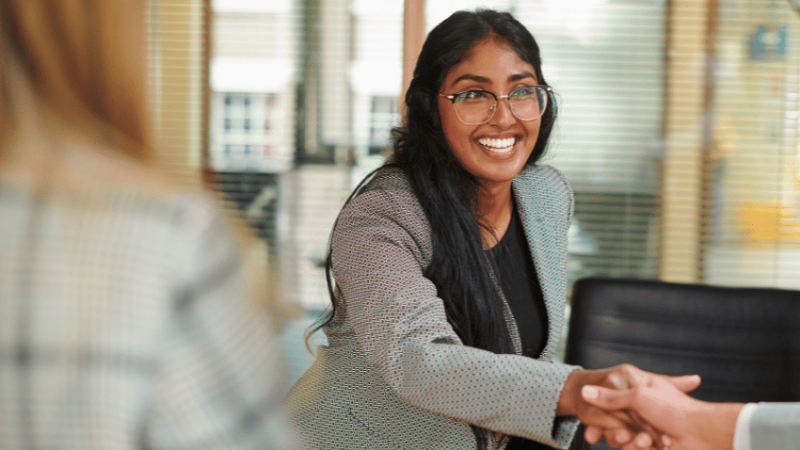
(524, 296)
(521, 287)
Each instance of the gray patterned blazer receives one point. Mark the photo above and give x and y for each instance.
(394, 374)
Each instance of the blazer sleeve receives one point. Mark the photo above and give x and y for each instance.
(380, 246)
(775, 426)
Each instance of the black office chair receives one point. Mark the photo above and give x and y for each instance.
(743, 342)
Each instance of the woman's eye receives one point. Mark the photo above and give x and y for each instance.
(473, 95)
(522, 92)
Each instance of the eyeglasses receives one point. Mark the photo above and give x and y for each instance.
(478, 106)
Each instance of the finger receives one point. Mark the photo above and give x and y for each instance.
(607, 398)
(592, 415)
(592, 434)
(643, 441)
(632, 446)
(637, 425)
(631, 376)
(618, 437)
(685, 383)
(618, 381)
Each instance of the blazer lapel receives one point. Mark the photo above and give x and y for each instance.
(545, 223)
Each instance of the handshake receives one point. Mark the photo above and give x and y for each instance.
(637, 410)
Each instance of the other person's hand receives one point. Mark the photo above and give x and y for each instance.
(684, 422)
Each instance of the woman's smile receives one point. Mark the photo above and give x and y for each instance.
(498, 147)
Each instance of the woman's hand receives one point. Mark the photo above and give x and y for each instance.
(618, 427)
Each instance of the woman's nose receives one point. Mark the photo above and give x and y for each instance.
(503, 116)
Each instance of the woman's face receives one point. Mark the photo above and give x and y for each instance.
(497, 150)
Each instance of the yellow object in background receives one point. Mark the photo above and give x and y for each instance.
(769, 224)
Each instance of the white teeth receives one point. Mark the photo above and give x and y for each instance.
(497, 143)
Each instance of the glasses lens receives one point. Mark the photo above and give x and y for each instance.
(528, 103)
(474, 107)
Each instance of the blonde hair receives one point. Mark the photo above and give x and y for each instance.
(79, 59)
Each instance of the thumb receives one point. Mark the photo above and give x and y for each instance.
(685, 383)
(609, 399)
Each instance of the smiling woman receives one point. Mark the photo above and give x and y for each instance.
(447, 268)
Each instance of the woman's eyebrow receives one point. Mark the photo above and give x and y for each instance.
(482, 79)
(521, 76)
(471, 77)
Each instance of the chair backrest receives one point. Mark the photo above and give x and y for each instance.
(743, 342)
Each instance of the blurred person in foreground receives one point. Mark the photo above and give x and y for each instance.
(126, 317)
(691, 424)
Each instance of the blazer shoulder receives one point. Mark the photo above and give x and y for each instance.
(388, 178)
(388, 200)
(387, 193)
(543, 174)
(545, 187)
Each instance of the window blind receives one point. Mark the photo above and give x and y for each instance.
(178, 77)
(605, 61)
(752, 230)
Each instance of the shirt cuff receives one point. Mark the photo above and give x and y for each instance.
(741, 436)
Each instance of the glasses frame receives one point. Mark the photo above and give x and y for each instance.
(452, 97)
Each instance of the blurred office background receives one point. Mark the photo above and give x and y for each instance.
(679, 128)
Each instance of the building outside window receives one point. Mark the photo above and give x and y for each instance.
(383, 117)
(246, 133)
(253, 78)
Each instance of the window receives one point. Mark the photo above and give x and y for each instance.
(682, 171)
(752, 221)
(303, 96)
(384, 116)
(231, 127)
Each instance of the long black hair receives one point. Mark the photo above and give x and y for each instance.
(446, 191)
